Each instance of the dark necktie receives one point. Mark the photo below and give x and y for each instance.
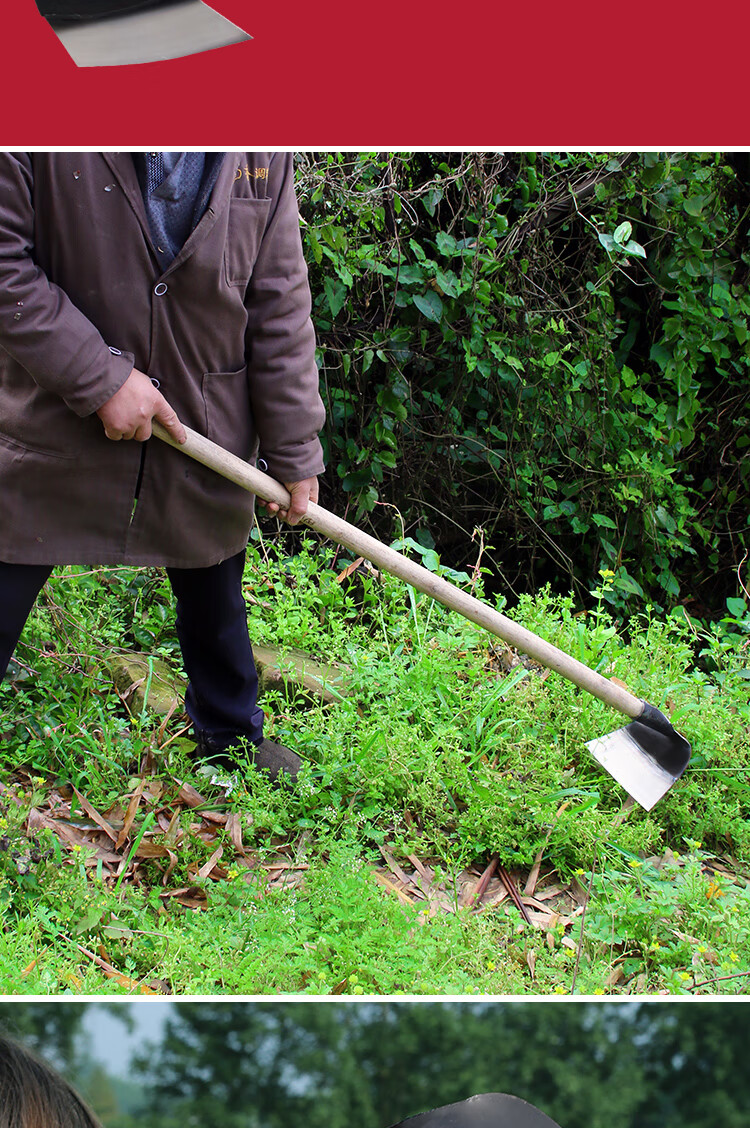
(154, 171)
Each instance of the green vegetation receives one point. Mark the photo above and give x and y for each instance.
(434, 754)
(550, 346)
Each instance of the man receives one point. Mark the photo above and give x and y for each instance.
(166, 286)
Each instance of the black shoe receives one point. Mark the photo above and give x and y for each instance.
(232, 754)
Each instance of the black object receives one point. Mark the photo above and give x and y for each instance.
(57, 10)
(488, 1110)
(660, 740)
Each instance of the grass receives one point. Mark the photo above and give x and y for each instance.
(437, 758)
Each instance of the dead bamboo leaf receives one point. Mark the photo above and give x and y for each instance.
(191, 896)
(548, 893)
(393, 865)
(133, 805)
(208, 866)
(484, 880)
(234, 830)
(150, 849)
(112, 973)
(615, 976)
(422, 870)
(496, 899)
(72, 837)
(348, 570)
(391, 886)
(92, 812)
(190, 796)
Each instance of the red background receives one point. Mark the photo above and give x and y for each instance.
(380, 74)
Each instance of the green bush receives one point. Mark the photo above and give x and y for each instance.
(552, 347)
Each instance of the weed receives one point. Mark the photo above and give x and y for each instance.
(434, 752)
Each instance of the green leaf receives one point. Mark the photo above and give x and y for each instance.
(633, 248)
(429, 304)
(446, 244)
(623, 233)
(448, 282)
(694, 205)
(336, 293)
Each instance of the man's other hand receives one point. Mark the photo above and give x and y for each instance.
(128, 414)
(301, 492)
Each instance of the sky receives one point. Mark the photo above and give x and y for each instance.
(109, 1040)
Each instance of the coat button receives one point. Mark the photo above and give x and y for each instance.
(161, 288)
(114, 351)
(154, 381)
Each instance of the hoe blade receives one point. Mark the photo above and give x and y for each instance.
(645, 757)
(149, 35)
(488, 1110)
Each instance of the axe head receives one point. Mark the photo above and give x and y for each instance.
(488, 1110)
(105, 33)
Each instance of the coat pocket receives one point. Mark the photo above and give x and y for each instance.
(15, 446)
(245, 229)
(229, 420)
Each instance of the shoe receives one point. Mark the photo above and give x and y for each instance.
(232, 754)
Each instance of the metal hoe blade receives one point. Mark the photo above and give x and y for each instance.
(147, 36)
(645, 757)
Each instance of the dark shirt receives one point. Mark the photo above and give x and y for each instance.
(176, 189)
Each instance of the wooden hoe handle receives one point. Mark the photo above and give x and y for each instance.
(362, 544)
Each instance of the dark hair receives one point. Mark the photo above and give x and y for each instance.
(32, 1095)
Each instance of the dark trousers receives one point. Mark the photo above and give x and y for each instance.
(221, 698)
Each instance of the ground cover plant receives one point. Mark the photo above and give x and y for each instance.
(450, 832)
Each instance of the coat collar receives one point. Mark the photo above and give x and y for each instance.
(123, 167)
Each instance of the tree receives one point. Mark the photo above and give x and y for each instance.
(52, 1030)
(324, 1065)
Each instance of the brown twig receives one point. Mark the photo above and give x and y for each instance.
(720, 979)
(513, 893)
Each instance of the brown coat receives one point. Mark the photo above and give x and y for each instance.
(228, 336)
